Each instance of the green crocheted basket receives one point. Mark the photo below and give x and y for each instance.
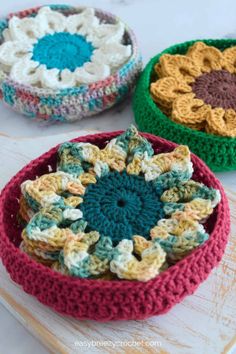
(219, 153)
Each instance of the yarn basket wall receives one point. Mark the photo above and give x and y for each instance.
(218, 152)
(77, 102)
(105, 300)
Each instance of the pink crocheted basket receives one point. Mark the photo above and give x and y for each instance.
(104, 300)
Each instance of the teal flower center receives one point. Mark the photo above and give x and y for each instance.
(122, 205)
(62, 50)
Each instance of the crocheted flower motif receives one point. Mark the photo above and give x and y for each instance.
(198, 89)
(120, 211)
(55, 51)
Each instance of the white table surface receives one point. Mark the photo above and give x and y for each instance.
(157, 24)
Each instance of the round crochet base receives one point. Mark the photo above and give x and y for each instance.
(105, 300)
(218, 152)
(74, 103)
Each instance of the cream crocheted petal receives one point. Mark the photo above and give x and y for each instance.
(55, 79)
(25, 29)
(189, 110)
(50, 21)
(23, 33)
(112, 54)
(11, 52)
(25, 71)
(7, 35)
(82, 22)
(106, 33)
(92, 72)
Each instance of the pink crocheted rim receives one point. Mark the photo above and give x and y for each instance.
(109, 300)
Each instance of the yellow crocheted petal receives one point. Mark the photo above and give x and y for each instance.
(114, 159)
(198, 209)
(180, 67)
(180, 193)
(134, 167)
(114, 155)
(46, 262)
(25, 211)
(51, 246)
(140, 244)
(51, 214)
(67, 159)
(165, 90)
(207, 58)
(80, 242)
(182, 248)
(46, 189)
(229, 55)
(165, 162)
(158, 70)
(143, 272)
(87, 178)
(180, 222)
(90, 153)
(75, 188)
(52, 237)
(159, 231)
(77, 250)
(74, 246)
(185, 223)
(189, 110)
(221, 122)
(145, 269)
(73, 201)
(166, 108)
(98, 266)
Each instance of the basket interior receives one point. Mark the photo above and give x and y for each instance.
(40, 166)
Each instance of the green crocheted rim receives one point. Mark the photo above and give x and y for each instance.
(219, 153)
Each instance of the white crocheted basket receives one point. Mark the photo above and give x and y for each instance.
(64, 63)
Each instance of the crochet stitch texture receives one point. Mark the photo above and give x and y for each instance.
(200, 98)
(198, 89)
(101, 299)
(54, 51)
(122, 211)
(62, 51)
(65, 69)
(122, 198)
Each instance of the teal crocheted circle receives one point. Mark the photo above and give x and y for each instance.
(120, 205)
(62, 50)
(218, 152)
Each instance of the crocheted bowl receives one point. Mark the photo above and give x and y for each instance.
(77, 102)
(218, 152)
(112, 299)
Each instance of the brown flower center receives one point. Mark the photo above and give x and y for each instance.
(217, 88)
